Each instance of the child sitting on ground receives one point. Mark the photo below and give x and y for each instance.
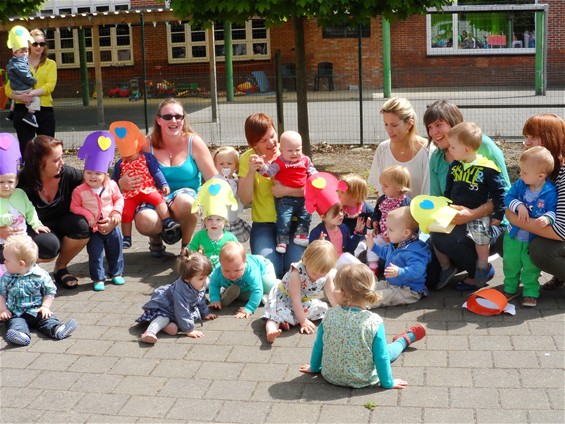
(353, 191)
(291, 169)
(406, 260)
(350, 348)
(226, 161)
(241, 276)
(531, 197)
(134, 162)
(177, 307)
(26, 294)
(98, 198)
(293, 301)
(215, 199)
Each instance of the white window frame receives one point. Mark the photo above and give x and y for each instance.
(187, 45)
(455, 50)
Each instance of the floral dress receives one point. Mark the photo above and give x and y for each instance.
(279, 305)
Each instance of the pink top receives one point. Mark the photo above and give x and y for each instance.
(87, 203)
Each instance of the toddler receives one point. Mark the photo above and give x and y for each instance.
(293, 301)
(226, 161)
(19, 73)
(471, 181)
(291, 169)
(26, 294)
(133, 162)
(99, 200)
(350, 335)
(406, 260)
(215, 199)
(531, 197)
(16, 210)
(240, 276)
(176, 307)
(353, 191)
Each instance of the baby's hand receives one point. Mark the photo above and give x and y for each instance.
(91, 222)
(305, 368)
(369, 240)
(307, 327)
(391, 271)
(45, 312)
(495, 222)
(399, 384)
(543, 221)
(195, 334)
(210, 317)
(42, 229)
(216, 305)
(322, 236)
(360, 226)
(5, 315)
(523, 214)
(242, 313)
(166, 190)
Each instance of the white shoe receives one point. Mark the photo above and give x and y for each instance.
(281, 247)
(301, 240)
(148, 337)
(230, 295)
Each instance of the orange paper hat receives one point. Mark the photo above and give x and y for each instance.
(320, 192)
(129, 138)
(489, 302)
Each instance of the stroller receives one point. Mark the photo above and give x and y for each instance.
(134, 93)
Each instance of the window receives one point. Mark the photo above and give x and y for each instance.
(115, 46)
(250, 41)
(346, 32)
(493, 32)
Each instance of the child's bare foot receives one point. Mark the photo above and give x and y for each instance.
(272, 335)
(285, 326)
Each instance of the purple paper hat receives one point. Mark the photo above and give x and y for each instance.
(10, 155)
(98, 151)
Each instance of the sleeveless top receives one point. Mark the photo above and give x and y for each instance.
(185, 175)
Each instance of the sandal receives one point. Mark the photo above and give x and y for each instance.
(156, 250)
(418, 330)
(65, 279)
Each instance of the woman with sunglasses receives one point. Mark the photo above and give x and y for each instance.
(44, 71)
(184, 159)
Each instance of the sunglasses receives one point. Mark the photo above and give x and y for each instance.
(41, 44)
(169, 117)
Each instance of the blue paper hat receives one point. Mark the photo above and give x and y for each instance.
(10, 155)
(98, 151)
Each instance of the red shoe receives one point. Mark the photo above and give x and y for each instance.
(418, 330)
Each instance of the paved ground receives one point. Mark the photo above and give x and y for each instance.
(469, 369)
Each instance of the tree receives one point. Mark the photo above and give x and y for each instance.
(16, 8)
(326, 12)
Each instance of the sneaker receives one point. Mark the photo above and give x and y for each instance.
(445, 277)
(10, 116)
(17, 338)
(118, 280)
(30, 120)
(553, 284)
(281, 247)
(99, 285)
(301, 240)
(148, 337)
(169, 225)
(230, 295)
(418, 330)
(529, 301)
(64, 330)
(482, 275)
(126, 243)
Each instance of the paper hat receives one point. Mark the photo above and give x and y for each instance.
(10, 155)
(98, 151)
(433, 213)
(320, 192)
(489, 302)
(215, 197)
(129, 138)
(19, 37)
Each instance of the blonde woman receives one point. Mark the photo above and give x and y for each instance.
(404, 147)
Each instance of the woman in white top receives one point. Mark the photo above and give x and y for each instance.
(405, 147)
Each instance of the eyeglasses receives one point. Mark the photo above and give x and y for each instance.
(169, 117)
(41, 44)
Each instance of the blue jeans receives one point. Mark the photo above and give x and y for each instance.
(263, 242)
(288, 207)
(111, 244)
(47, 326)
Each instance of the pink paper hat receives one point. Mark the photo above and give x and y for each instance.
(320, 192)
(98, 151)
(10, 155)
(129, 138)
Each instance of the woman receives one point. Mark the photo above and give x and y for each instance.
(548, 250)
(183, 158)
(405, 147)
(45, 72)
(49, 183)
(261, 191)
(439, 118)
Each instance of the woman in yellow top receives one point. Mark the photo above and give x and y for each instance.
(261, 191)
(45, 72)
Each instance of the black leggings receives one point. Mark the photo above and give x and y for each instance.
(549, 256)
(71, 225)
(45, 119)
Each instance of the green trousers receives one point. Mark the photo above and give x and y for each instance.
(518, 266)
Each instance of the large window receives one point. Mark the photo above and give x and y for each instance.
(250, 41)
(496, 32)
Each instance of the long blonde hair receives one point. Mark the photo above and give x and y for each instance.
(157, 136)
(402, 108)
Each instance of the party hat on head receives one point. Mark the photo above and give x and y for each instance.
(215, 197)
(19, 37)
(10, 155)
(129, 137)
(98, 151)
(320, 192)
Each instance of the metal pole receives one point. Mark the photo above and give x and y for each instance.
(540, 49)
(387, 85)
(279, 96)
(228, 53)
(83, 67)
(360, 53)
(143, 61)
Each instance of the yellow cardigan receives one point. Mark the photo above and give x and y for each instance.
(46, 76)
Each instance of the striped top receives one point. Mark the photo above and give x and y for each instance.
(559, 224)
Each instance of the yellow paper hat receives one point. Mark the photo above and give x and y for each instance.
(433, 213)
(215, 197)
(129, 138)
(19, 37)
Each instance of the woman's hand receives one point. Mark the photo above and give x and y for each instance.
(8, 231)
(129, 183)
(26, 97)
(523, 214)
